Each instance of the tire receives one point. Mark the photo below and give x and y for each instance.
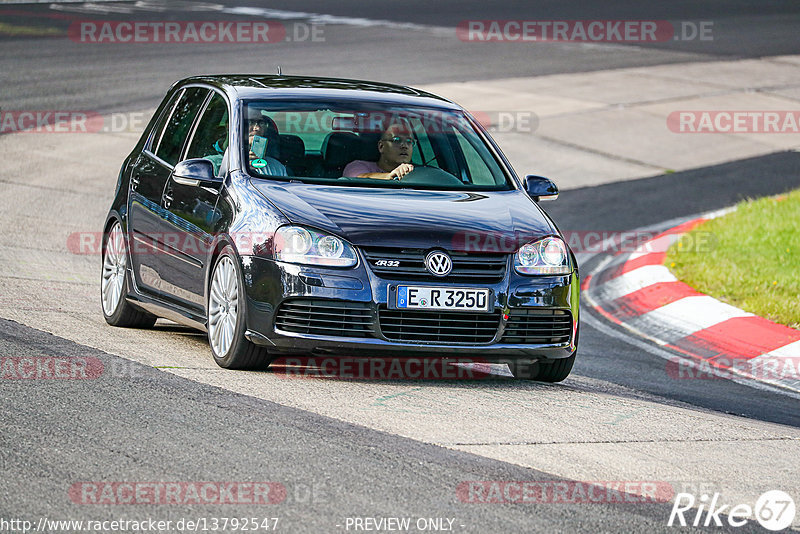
(524, 369)
(114, 284)
(556, 371)
(226, 315)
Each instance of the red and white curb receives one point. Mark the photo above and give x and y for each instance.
(716, 340)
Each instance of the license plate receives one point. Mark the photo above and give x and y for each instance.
(442, 298)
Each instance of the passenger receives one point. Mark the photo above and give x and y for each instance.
(263, 126)
(219, 148)
(396, 146)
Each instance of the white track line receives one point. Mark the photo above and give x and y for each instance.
(631, 281)
(686, 316)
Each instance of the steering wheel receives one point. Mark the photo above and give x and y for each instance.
(424, 175)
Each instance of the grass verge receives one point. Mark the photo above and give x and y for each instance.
(749, 258)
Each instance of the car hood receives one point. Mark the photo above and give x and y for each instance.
(496, 221)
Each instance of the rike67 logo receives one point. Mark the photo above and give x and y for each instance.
(774, 510)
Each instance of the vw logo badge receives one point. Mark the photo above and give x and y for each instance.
(438, 263)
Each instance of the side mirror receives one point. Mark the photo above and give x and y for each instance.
(195, 172)
(540, 188)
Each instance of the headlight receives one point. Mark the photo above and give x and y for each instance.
(295, 244)
(546, 256)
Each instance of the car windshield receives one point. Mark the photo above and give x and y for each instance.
(356, 144)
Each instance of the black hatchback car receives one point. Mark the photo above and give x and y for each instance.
(287, 215)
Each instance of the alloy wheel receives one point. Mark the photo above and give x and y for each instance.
(223, 306)
(114, 263)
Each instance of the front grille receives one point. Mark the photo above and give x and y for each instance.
(325, 318)
(535, 326)
(438, 327)
(411, 265)
(529, 326)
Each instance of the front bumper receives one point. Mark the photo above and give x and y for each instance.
(271, 285)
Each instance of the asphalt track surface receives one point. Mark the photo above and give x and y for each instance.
(153, 425)
(120, 77)
(150, 425)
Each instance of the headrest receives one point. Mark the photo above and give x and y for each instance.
(369, 147)
(293, 150)
(340, 148)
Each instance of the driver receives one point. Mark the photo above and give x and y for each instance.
(396, 146)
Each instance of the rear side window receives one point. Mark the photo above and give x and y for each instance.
(158, 129)
(210, 138)
(178, 124)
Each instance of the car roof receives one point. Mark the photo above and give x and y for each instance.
(264, 86)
